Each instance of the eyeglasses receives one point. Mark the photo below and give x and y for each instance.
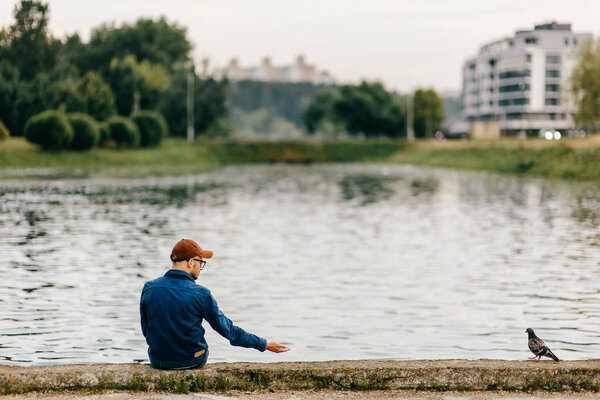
(202, 262)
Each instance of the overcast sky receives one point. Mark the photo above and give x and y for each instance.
(403, 43)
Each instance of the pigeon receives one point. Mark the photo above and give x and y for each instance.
(538, 347)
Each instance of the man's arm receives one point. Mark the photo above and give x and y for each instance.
(225, 327)
(236, 335)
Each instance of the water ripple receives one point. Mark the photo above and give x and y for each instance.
(338, 261)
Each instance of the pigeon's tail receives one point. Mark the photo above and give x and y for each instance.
(551, 355)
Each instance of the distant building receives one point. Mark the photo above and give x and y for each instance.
(522, 82)
(300, 71)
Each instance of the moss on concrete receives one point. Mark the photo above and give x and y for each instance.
(441, 375)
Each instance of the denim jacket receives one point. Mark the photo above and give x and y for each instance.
(172, 309)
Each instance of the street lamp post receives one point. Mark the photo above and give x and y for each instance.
(190, 103)
(410, 132)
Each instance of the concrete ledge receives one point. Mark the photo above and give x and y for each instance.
(438, 375)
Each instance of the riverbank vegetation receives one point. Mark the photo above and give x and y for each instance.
(147, 65)
(569, 159)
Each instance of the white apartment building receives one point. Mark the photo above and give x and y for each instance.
(523, 81)
(300, 71)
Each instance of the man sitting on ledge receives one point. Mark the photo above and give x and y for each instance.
(173, 306)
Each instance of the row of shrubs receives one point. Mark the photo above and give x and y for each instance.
(55, 130)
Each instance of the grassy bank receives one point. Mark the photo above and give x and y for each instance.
(176, 156)
(573, 159)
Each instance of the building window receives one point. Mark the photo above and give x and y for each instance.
(552, 88)
(553, 73)
(566, 41)
(552, 102)
(531, 40)
(528, 58)
(514, 88)
(552, 59)
(514, 74)
(514, 102)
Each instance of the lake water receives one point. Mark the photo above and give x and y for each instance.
(337, 261)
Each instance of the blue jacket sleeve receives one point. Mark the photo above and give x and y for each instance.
(223, 325)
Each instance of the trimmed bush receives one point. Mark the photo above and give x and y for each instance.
(123, 131)
(50, 129)
(4, 132)
(104, 131)
(85, 131)
(152, 127)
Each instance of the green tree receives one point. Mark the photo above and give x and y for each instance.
(320, 110)
(22, 99)
(210, 103)
(156, 41)
(136, 84)
(95, 95)
(8, 95)
(56, 88)
(26, 44)
(585, 85)
(369, 109)
(428, 112)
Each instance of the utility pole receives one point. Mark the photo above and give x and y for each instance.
(410, 132)
(190, 103)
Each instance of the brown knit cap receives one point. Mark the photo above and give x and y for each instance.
(186, 249)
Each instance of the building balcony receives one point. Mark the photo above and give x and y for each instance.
(552, 95)
(512, 109)
(513, 95)
(514, 81)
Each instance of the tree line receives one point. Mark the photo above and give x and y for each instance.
(119, 71)
(123, 70)
(585, 85)
(370, 110)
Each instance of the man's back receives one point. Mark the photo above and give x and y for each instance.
(172, 309)
(171, 312)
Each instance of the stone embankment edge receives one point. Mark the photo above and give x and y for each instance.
(438, 375)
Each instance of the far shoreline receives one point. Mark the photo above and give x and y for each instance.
(567, 159)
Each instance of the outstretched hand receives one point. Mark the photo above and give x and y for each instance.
(276, 347)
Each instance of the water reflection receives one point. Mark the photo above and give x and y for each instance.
(368, 187)
(427, 184)
(340, 262)
(587, 204)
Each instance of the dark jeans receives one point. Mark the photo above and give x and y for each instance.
(201, 363)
